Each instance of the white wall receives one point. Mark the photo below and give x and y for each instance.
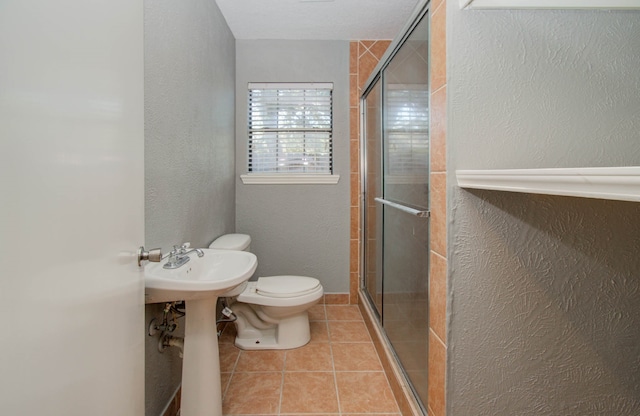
(71, 210)
(189, 146)
(544, 291)
(297, 229)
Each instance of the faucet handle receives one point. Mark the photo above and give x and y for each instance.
(185, 246)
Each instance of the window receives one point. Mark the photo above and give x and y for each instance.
(290, 128)
(407, 130)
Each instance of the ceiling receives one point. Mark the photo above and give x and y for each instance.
(316, 19)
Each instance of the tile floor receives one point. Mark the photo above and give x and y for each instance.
(337, 373)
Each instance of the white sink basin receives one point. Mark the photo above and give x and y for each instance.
(199, 283)
(218, 271)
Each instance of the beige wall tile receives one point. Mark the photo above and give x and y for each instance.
(365, 45)
(437, 368)
(439, 213)
(365, 66)
(438, 47)
(354, 126)
(353, 57)
(438, 295)
(379, 48)
(354, 286)
(436, 3)
(439, 130)
(355, 251)
(355, 189)
(336, 298)
(353, 90)
(355, 223)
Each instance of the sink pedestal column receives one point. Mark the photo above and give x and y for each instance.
(201, 391)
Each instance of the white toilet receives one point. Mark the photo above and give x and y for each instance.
(272, 311)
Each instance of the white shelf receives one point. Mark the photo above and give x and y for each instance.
(619, 183)
(549, 4)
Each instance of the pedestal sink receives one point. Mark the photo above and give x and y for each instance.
(199, 283)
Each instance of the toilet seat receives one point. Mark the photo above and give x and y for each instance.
(286, 286)
(282, 291)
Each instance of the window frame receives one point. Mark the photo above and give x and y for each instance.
(263, 178)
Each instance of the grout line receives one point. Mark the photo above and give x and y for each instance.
(435, 91)
(335, 377)
(284, 367)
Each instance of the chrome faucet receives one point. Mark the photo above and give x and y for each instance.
(180, 255)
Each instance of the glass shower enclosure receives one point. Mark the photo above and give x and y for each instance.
(395, 142)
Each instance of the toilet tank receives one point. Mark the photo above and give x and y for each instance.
(240, 242)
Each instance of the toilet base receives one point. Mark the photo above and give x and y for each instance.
(291, 332)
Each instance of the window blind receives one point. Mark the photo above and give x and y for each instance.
(407, 130)
(290, 128)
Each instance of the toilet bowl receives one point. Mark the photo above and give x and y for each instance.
(271, 312)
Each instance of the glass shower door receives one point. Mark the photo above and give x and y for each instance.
(373, 188)
(396, 222)
(405, 249)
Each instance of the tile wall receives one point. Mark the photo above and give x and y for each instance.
(364, 56)
(438, 243)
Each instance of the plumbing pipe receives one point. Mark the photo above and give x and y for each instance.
(171, 341)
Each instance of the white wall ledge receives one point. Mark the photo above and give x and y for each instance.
(289, 179)
(550, 4)
(618, 183)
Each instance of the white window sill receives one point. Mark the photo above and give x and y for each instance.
(289, 179)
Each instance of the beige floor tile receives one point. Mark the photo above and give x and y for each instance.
(225, 378)
(253, 393)
(228, 335)
(348, 331)
(266, 360)
(319, 331)
(309, 392)
(311, 357)
(369, 414)
(365, 392)
(355, 357)
(317, 313)
(343, 313)
(228, 357)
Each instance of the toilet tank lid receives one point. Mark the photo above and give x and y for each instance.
(231, 242)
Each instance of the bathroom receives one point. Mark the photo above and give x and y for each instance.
(538, 294)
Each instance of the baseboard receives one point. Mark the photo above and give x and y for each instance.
(336, 299)
(173, 407)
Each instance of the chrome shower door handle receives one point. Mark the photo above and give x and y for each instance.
(408, 210)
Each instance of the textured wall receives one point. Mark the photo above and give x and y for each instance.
(543, 291)
(297, 229)
(189, 146)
